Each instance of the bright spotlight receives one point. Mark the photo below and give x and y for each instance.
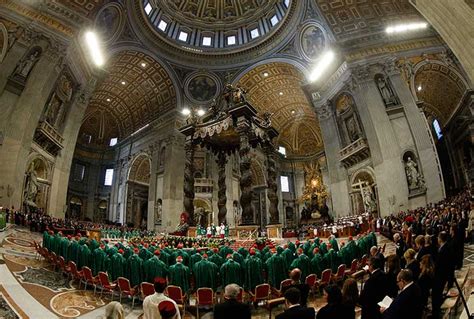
(399, 28)
(94, 48)
(201, 112)
(419, 88)
(186, 111)
(324, 62)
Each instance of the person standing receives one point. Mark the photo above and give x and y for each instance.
(150, 303)
(231, 308)
(205, 273)
(154, 267)
(179, 275)
(444, 273)
(293, 308)
(375, 289)
(253, 271)
(230, 272)
(334, 307)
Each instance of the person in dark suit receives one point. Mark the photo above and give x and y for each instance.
(420, 247)
(335, 308)
(375, 289)
(231, 308)
(294, 309)
(444, 273)
(407, 304)
(295, 276)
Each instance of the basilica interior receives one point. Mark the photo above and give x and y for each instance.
(258, 115)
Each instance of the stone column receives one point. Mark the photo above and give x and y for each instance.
(245, 174)
(152, 186)
(188, 199)
(337, 175)
(454, 21)
(20, 116)
(272, 184)
(221, 184)
(62, 166)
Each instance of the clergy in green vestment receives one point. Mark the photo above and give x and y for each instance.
(179, 275)
(253, 271)
(193, 259)
(46, 240)
(117, 265)
(205, 273)
(165, 257)
(332, 259)
(180, 253)
(231, 272)
(145, 253)
(84, 258)
(64, 248)
(225, 250)
(135, 268)
(292, 246)
(216, 259)
(73, 253)
(317, 266)
(323, 248)
(93, 245)
(302, 262)
(154, 267)
(276, 271)
(333, 242)
(99, 260)
(57, 243)
(243, 252)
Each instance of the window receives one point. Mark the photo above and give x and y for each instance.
(231, 40)
(113, 141)
(183, 36)
(285, 185)
(148, 8)
(162, 25)
(287, 3)
(78, 173)
(109, 174)
(254, 33)
(207, 41)
(282, 150)
(437, 129)
(87, 138)
(274, 20)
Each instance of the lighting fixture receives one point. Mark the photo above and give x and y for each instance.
(293, 111)
(419, 88)
(406, 27)
(324, 62)
(94, 48)
(265, 74)
(201, 112)
(186, 111)
(123, 82)
(108, 99)
(143, 64)
(281, 93)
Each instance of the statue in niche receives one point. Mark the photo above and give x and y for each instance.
(158, 211)
(369, 200)
(23, 68)
(352, 129)
(56, 107)
(386, 91)
(32, 185)
(414, 178)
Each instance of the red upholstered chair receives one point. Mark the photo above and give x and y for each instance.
(61, 264)
(353, 268)
(262, 293)
(175, 293)
(339, 276)
(53, 258)
(240, 296)
(89, 279)
(105, 284)
(310, 280)
(283, 284)
(75, 274)
(363, 261)
(325, 278)
(204, 297)
(126, 289)
(147, 289)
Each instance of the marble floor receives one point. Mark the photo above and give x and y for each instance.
(30, 288)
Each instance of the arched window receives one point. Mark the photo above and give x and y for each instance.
(437, 129)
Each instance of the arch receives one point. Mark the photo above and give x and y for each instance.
(3, 41)
(42, 167)
(292, 61)
(140, 169)
(367, 172)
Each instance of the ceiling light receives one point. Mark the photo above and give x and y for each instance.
(293, 111)
(143, 64)
(201, 112)
(94, 48)
(419, 88)
(323, 64)
(265, 74)
(281, 93)
(186, 111)
(123, 82)
(406, 27)
(108, 99)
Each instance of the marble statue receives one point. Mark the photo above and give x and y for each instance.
(352, 129)
(24, 67)
(369, 201)
(158, 212)
(413, 176)
(32, 185)
(386, 91)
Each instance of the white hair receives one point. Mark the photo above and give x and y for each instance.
(232, 291)
(114, 310)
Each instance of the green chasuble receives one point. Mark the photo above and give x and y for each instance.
(64, 248)
(352, 250)
(182, 253)
(74, 251)
(84, 257)
(334, 244)
(332, 260)
(3, 220)
(179, 276)
(46, 240)
(323, 249)
(193, 260)
(116, 266)
(276, 271)
(216, 259)
(93, 245)
(288, 256)
(253, 272)
(317, 265)
(303, 263)
(153, 268)
(135, 269)
(224, 251)
(99, 261)
(165, 257)
(57, 244)
(231, 273)
(205, 274)
(145, 254)
(292, 246)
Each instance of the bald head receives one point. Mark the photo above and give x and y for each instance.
(295, 274)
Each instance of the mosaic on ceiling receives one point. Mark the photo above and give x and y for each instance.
(276, 88)
(140, 170)
(136, 91)
(350, 19)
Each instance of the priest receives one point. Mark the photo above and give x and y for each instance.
(230, 272)
(179, 275)
(253, 271)
(205, 273)
(154, 267)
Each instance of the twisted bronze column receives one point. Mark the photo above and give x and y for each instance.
(221, 193)
(188, 199)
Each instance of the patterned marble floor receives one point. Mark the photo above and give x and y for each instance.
(29, 288)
